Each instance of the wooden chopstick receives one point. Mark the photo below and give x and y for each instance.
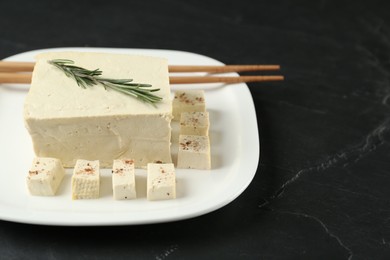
(222, 69)
(14, 72)
(16, 66)
(17, 78)
(25, 78)
(212, 79)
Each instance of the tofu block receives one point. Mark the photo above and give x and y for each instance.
(188, 101)
(45, 176)
(68, 122)
(86, 180)
(123, 179)
(161, 181)
(194, 123)
(194, 152)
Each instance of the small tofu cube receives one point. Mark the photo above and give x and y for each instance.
(161, 181)
(194, 123)
(86, 180)
(188, 101)
(194, 152)
(45, 176)
(123, 180)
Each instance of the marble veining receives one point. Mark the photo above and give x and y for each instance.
(323, 225)
(342, 158)
(167, 252)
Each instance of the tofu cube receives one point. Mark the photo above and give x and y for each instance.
(45, 176)
(86, 180)
(161, 181)
(188, 101)
(123, 179)
(194, 123)
(194, 152)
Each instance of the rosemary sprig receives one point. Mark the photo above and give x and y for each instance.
(88, 78)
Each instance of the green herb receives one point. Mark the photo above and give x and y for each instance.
(88, 78)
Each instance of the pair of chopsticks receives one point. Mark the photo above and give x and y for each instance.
(21, 72)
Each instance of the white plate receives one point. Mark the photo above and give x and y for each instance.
(234, 148)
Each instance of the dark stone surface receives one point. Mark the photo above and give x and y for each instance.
(322, 187)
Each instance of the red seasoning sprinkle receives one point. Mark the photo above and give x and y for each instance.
(119, 171)
(88, 170)
(193, 145)
(190, 100)
(33, 172)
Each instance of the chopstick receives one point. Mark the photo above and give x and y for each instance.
(25, 78)
(212, 79)
(16, 66)
(13, 72)
(221, 69)
(17, 78)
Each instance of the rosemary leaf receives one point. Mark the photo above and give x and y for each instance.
(88, 78)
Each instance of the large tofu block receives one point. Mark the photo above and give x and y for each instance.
(45, 176)
(188, 101)
(68, 122)
(161, 181)
(123, 180)
(194, 152)
(194, 123)
(86, 180)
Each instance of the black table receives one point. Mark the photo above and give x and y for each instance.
(322, 185)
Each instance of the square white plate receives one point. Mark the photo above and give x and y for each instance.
(234, 148)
